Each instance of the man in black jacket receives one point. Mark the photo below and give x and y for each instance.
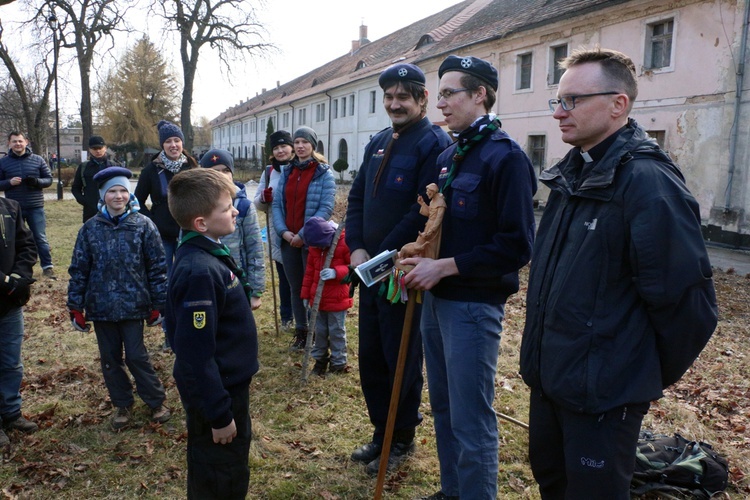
(84, 187)
(17, 258)
(23, 176)
(620, 298)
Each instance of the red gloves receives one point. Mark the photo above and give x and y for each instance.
(154, 318)
(266, 196)
(79, 321)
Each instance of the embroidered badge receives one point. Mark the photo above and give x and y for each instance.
(466, 63)
(402, 72)
(199, 319)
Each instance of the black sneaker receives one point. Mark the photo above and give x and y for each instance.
(399, 453)
(321, 365)
(367, 453)
(299, 341)
(439, 496)
(21, 424)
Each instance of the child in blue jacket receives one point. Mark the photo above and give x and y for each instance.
(118, 279)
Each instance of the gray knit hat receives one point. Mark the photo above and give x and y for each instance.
(307, 134)
(112, 176)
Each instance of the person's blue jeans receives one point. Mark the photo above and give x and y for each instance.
(112, 338)
(461, 342)
(285, 294)
(37, 222)
(11, 368)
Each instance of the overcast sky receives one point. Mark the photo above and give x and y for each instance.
(308, 34)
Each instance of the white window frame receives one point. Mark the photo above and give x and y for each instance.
(517, 87)
(552, 63)
(648, 25)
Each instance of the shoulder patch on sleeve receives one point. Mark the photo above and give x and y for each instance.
(199, 319)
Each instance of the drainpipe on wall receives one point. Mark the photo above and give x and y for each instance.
(330, 121)
(737, 110)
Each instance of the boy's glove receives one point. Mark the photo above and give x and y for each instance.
(154, 318)
(31, 181)
(266, 196)
(16, 288)
(327, 274)
(78, 321)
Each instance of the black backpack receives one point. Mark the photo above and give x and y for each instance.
(674, 464)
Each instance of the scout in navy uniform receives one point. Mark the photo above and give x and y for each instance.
(487, 233)
(120, 246)
(213, 335)
(382, 214)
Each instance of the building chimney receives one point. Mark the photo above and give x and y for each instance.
(278, 84)
(262, 91)
(362, 32)
(355, 46)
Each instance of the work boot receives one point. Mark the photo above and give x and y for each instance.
(399, 453)
(339, 369)
(160, 414)
(21, 424)
(49, 273)
(300, 339)
(121, 417)
(4, 441)
(367, 453)
(320, 367)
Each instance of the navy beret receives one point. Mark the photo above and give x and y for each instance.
(472, 66)
(214, 157)
(402, 72)
(112, 176)
(281, 137)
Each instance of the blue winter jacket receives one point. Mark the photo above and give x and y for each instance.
(319, 201)
(118, 271)
(26, 165)
(245, 242)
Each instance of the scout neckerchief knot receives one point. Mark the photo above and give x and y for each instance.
(221, 252)
(466, 140)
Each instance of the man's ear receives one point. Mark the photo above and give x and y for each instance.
(199, 224)
(620, 105)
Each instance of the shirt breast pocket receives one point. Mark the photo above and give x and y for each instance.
(465, 197)
(401, 174)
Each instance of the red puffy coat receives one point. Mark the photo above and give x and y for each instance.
(335, 295)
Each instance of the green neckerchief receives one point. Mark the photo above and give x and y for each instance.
(219, 251)
(465, 144)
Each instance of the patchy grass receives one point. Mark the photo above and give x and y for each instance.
(304, 433)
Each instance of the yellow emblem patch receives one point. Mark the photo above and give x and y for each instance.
(199, 319)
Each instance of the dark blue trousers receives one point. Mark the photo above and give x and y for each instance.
(380, 326)
(219, 471)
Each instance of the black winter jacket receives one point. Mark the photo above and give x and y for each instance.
(620, 299)
(153, 183)
(17, 248)
(85, 189)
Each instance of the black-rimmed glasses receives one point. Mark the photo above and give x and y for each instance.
(447, 93)
(568, 102)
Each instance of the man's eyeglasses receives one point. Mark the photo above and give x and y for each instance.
(568, 102)
(447, 93)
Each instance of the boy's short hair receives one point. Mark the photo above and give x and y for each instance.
(195, 193)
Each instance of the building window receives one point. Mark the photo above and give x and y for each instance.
(343, 150)
(537, 148)
(246, 128)
(252, 127)
(343, 107)
(659, 136)
(659, 44)
(523, 71)
(556, 54)
(302, 116)
(351, 105)
(373, 101)
(285, 120)
(335, 108)
(76, 138)
(262, 125)
(320, 112)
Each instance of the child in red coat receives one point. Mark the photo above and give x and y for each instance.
(330, 331)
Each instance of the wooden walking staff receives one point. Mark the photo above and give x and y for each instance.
(316, 300)
(427, 245)
(270, 257)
